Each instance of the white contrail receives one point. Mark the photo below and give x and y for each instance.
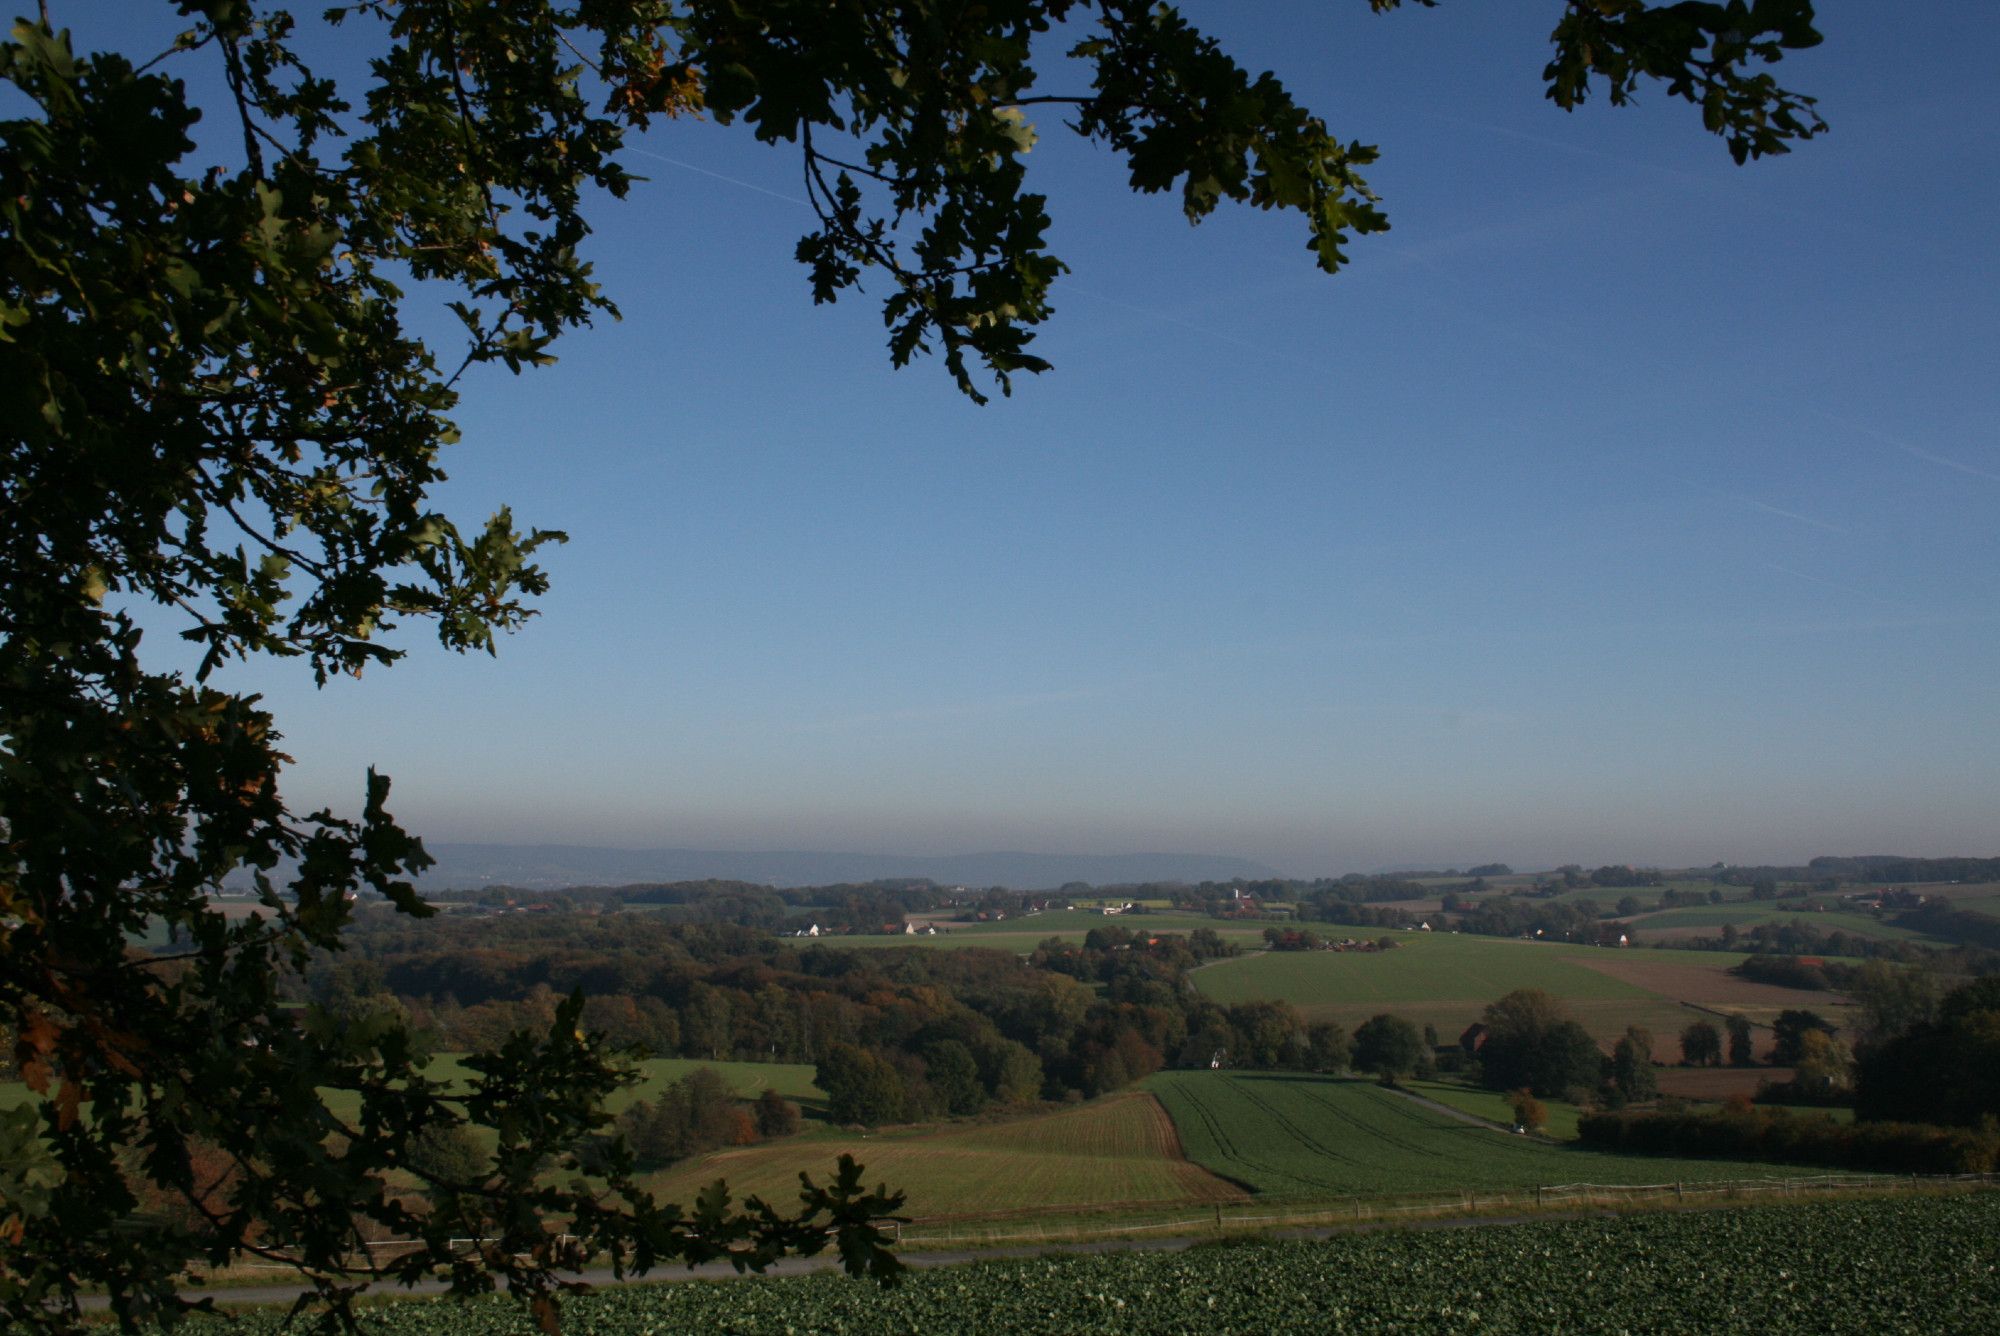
(732, 180)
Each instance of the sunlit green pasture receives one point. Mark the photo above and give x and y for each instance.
(1294, 1135)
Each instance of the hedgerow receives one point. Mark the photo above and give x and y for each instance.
(1772, 1135)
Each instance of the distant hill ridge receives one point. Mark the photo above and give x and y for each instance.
(549, 866)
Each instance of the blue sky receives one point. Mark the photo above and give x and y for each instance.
(1619, 504)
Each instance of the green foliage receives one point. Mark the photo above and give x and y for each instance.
(1788, 1033)
(1632, 1066)
(1942, 1070)
(1701, 1044)
(861, 1087)
(694, 1114)
(776, 1116)
(1532, 1041)
(1388, 1046)
(1776, 1136)
(1739, 1041)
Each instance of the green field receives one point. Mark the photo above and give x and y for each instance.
(1443, 979)
(1117, 1150)
(1427, 967)
(1691, 920)
(1292, 1135)
(1866, 1268)
(1446, 980)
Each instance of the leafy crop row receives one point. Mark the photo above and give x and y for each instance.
(1912, 1265)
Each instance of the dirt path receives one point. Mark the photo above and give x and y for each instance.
(1450, 1112)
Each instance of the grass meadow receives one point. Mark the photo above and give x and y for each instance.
(1446, 980)
(1121, 1149)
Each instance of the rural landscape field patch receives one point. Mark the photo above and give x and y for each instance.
(1121, 1149)
(1294, 1135)
(1446, 980)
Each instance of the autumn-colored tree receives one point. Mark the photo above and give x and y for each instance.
(1529, 1112)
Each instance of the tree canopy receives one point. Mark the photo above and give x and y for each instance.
(217, 412)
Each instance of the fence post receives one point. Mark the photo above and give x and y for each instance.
(1678, 1194)
(1538, 1194)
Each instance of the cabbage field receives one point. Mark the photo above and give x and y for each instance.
(1918, 1265)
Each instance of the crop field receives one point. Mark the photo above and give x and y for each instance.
(1819, 1268)
(1446, 979)
(1426, 967)
(1703, 978)
(1121, 1149)
(1291, 1135)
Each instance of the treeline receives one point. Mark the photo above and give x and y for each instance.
(1775, 1136)
(1884, 869)
(1516, 916)
(1311, 897)
(1941, 1066)
(1965, 926)
(861, 907)
(1802, 937)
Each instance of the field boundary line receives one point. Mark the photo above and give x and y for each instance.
(1468, 1204)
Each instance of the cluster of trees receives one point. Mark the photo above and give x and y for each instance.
(699, 1113)
(1515, 916)
(1941, 1064)
(1743, 1132)
(1531, 1042)
(1701, 1043)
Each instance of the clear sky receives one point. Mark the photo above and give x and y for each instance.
(1619, 504)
